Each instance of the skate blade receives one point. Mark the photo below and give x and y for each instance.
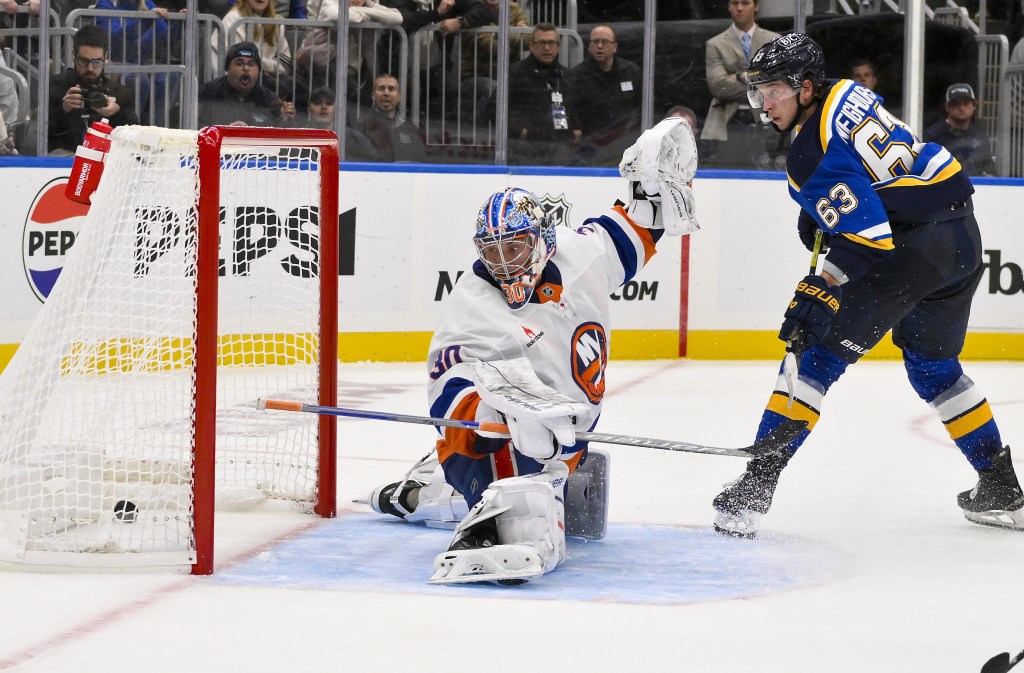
(361, 501)
(748, 535)
(997, 518)
(743, 524)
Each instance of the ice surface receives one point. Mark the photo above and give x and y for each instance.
(864, 564)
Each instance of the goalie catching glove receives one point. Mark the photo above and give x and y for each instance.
(661, 165)
(809, 316)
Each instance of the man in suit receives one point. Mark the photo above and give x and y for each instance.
(726, 60)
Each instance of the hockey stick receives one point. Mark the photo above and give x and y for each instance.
(776, 441)
(1001, 663)
(795, 346)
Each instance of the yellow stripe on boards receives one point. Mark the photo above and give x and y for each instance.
(239, 350)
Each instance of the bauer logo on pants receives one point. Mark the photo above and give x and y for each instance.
(52, 224)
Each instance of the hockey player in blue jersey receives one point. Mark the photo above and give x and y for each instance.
(903, 253)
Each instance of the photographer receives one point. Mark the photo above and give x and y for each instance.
(82, 94)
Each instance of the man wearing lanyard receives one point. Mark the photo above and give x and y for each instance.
(542, 127)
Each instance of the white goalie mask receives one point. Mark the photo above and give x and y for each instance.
(514, 241)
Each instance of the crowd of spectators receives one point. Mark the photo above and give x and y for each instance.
(560, 112)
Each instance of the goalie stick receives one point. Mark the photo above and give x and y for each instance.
(1001, 663)
(795, 346)
(776, 441)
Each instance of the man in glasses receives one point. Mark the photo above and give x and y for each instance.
(607, 90)
(542, 123)
(904, 255)
(82, 94)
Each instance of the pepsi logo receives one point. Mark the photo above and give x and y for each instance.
(51, 227)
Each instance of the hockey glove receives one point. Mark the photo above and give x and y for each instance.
(485, 413)
(806, 227)
(809, 316)
(663, 161)
(542, 438)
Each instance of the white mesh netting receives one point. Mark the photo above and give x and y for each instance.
(96, 408)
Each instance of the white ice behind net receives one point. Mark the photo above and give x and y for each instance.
(96, 408)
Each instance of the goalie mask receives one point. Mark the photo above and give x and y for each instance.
(514, 240)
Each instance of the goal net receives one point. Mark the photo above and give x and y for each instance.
(204, 278)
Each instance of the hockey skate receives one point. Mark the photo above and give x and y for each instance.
(739, 507)
(997, 499)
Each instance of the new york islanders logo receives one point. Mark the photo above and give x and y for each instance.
(589, 359)
(52, 224)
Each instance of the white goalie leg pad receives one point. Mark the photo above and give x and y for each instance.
(440, 505)
(529, 516)
(664, 160)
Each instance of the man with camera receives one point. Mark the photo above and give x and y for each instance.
(82, 94)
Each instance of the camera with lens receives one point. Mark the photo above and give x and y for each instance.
(94, 96)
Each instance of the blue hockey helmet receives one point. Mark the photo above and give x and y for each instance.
(514, 240)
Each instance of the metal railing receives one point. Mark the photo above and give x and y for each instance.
(993, 56)
(20, 85)
(1010, 154)
(560, 13)
(448, 103)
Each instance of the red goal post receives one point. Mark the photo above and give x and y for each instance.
(204, 278)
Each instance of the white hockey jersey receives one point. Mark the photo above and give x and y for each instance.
(563, 330)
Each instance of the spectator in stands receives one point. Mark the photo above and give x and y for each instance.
(542, 125)
(275, 54)
(687, 114)
(862, 71)
(316, 57)
(607, 98)
(238, 99)
(395, 138)
(6, 142)
(726, 60)
(320, 115)
(291, 9)
(82, 94)
(11, 6)
(9, 101)
(149, 41)
(958, 133)
(478, 70)
(437, 71)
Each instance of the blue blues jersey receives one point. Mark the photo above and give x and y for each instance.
(855, 169)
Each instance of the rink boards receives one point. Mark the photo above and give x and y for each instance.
(405, 237)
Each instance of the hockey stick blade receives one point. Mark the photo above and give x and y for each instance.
(1001, 663)
(775, 442)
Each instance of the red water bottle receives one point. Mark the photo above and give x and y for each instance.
(88, 167)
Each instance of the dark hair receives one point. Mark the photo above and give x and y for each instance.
(858, 62)
(90, 36)
(544, 28)
(385, 74)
